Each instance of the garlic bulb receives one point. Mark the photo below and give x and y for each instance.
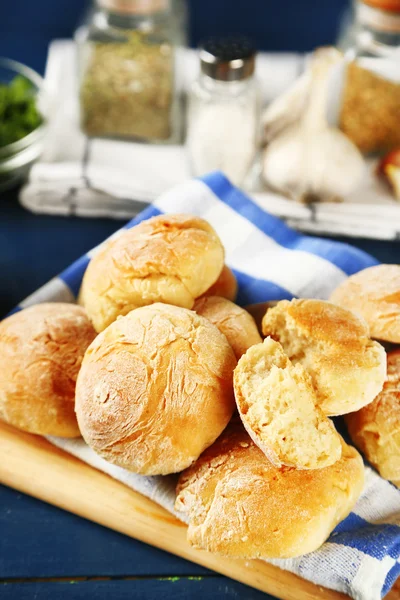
(310, 160)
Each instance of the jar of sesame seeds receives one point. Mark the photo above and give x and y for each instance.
(127, 53)
(370, 107)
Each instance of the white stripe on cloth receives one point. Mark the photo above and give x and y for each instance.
(370, 506)
(53, 291)
(301, 273)
(369, 580)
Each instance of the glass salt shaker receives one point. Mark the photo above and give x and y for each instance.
(127, 54)
(370, 107)
(223, 110)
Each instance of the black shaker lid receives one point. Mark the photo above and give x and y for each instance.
(227, 58)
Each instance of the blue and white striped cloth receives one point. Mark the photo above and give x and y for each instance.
(271, 261)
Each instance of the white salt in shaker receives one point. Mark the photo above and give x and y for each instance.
(223, 111)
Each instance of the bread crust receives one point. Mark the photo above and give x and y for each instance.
(155, 389)
(347, 368)
(169, 258)
(41, 350)
(226, 285)
(240, 505)
(234, 322)
(375, 429)
(374, 293)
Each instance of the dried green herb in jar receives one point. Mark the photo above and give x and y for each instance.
(127, 89)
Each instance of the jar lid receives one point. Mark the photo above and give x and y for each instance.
(227, 59)
(134, 7)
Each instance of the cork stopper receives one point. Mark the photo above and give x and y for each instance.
(383, 15)
(387, 5)
(134, 7)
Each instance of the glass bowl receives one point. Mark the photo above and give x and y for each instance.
(17, 158)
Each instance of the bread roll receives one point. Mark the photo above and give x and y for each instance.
(155, 389)
(41, 351)
(226, 285)
(333, 345)
(234, 322)
(278, 406)
(169, 258)
(240, 505)
(375, 429)
(374, 293)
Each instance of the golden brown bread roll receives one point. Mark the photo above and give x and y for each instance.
(240, 505)
(226, 285)
(374, 293)
(375, 429)
(278, 406)
(169, 258)
(333, 345)
(234, 322)
(41, 351)
(155, 389)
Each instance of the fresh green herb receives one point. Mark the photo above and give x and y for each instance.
(18, 113)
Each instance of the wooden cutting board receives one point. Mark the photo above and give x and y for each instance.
(32, 465)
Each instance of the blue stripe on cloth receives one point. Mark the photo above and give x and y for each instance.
(252, 290)
(372, 539)
(346, 257)
(16, 309)
(391, 578)
(147, 213)
(73, 275)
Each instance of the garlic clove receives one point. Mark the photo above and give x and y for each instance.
(286, 109)
(282, 169)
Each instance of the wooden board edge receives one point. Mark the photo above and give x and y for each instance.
(32, 465)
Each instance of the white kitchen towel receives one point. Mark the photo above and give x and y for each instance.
(271, 261)
(108, 178)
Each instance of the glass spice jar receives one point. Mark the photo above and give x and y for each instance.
(370, 107)
(223, 110)
(127, 69)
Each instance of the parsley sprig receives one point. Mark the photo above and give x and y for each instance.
(18, 112)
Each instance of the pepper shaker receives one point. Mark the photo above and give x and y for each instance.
(223, 110)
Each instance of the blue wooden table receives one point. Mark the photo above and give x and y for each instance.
(46, 553)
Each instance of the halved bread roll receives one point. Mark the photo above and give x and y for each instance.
(347, 368)
(278, 406)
